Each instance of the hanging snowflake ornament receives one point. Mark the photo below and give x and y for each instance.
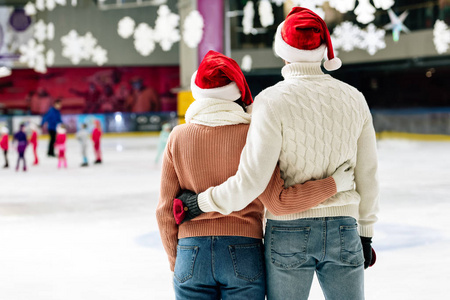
(30, 9)
(144, 39)
(247, 20)
(89, 42)
(372, 39)
(441, 36)
(40, 5)
(30, 52)
(40, 66)
(73, 47)
(99, 56)
(50, 57)
(346, 36)
(125, 27)
(50, 31)
(51, 4)
(278, 2)
(193, 29)
(40, 31)
(265, 13)
(396, 24)
(343, 6)
(166, 32)
(246, 64)
(383, 4)
(365, 12)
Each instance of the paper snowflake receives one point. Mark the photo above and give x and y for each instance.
(343, 6)
(166, 32)
(125, 27)
(246, 64)
(265, 13)
(51, 4)
(99, 56)
(50, 31)
(365, 12)
(73, 47)
(30, 52)
(346, 36)
(193, 29)
(40, 66)
(30, 9)
(383, 4)
(50, 57)
(89, 42)
(40, 4)
(372, 39)
(441, 36)
(278, 2)
(247, 20)
(144, 39)
(40, 31)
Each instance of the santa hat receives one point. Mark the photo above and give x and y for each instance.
(303, 37)
(220, 77)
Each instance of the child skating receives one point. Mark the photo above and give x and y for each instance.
(83, 137)
(34, 142)
(21, 139)
(61, 145)
(96, 137)
(4, 144)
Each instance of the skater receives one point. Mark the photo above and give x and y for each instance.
(34, 142)
(96, 138)
(163, 136)
(21, 139)
(310, 123)
(4, 144)
(52, 118)
(83, 137)
(222, 256)
(60, 145)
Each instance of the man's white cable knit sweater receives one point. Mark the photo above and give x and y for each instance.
(311, 123)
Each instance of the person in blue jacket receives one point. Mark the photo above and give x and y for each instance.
(52, 118)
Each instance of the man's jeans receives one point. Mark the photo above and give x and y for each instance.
(330, 246)
(219, 267)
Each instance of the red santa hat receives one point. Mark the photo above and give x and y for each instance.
(303, 37)
(220, 77)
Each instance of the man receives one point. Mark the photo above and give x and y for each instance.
(52, 118)
(311, 123)
(143, 99)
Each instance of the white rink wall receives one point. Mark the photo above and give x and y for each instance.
(91, 233)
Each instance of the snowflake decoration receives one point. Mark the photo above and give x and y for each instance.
(346, 36)
(51, 4)
(73, 47)
(246, 64)
(50, 57)
(30, 9)
(441, 36)
(247, 20)
(144, 39)
(166, 32)
(89, 42)
(31, 53)
(343, 6)
(372, 39)
(50, 31)
(265, 13)
(314, 5)
(125, 27)
(40, 66)
(40, 4)
(365, 12)
(40, 31)
(383, 4)
(61, 2)
(99, 56)
(193, 29)
(278, 2)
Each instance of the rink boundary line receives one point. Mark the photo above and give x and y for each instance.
(413, 136)
(112, 135)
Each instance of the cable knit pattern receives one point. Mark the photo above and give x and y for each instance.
(312, 123)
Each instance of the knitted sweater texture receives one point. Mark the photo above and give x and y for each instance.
(311, 123)
(198, 157)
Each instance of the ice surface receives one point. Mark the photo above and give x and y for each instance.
(91, 233)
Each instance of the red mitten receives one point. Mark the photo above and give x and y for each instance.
(178, 211)
(374, 258)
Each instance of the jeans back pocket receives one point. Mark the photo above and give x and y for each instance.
(288, 246)
(247, 261)
(351, 247)
(184, 263)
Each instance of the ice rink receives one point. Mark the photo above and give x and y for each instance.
(91, 233)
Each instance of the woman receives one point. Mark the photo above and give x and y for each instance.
(221, 256)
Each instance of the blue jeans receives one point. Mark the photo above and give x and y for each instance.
(329, 247)
(219, 267)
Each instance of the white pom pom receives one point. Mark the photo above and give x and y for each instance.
(332, 64)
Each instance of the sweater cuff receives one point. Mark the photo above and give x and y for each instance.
(366, 231)
(204, 200)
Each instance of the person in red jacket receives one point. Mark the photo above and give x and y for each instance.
(61, 145)
(34, 142)
(96, 136)
(4, 143)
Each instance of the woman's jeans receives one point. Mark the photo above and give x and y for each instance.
(219, 267)
(329, 247)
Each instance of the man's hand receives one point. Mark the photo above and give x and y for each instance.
(344, 177)
(185, 207)
(369, 254)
